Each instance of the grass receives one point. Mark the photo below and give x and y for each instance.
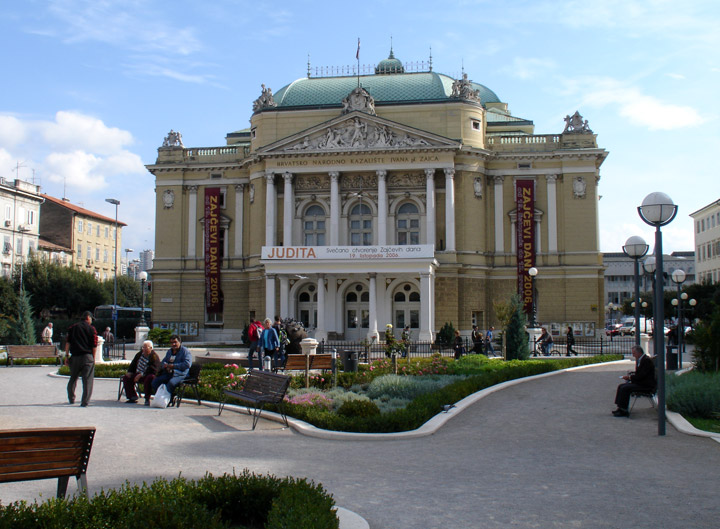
(708, 425)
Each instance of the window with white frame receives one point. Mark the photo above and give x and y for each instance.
(360, 225)
(30, 217)
(105, 256)
(408, 224)
(89, 227)
(314, 226)
(107, 232)
(80, 225)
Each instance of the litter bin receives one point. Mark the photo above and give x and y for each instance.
(672, 357)
(350, 361)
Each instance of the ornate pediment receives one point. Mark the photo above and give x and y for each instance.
(358, 131)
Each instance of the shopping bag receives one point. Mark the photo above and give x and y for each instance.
(162, 398)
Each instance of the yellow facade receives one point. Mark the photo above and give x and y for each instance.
(437, 178)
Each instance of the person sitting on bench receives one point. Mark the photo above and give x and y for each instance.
(175, 366)
(642, 379)
(143, 368)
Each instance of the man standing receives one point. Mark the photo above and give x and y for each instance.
(109, 339)
(642, 379)
(81, 344)
(175, 367)
(47, 334)
(254, 332)
(489, 342)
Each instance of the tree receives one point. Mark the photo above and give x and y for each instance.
(8, 306)
(515, 335)
(25, 332)
(128, 291)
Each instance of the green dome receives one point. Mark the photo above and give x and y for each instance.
(389, 65)
(386, 89)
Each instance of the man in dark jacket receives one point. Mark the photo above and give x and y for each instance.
(174, 367)
(81, 344)
(642, 379)
(143, 368)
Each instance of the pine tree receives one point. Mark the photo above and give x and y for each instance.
(516, 336)
(25, 327)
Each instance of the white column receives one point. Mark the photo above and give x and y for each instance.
(192, 220)
(320, 329)
(270, 215)
(239, 218)
(373, 330)
(426, 307)
(430, 206)
(450, 210)
(334, 208)
(269, 296)
(331, 303)
(552, 213)
(284, 296)
(288, 213)
(382, 206)
(499, 220)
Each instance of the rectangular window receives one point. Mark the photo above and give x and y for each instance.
(89, 226)
(80, 254)
(105, 256)
(97, 254)
(30, 217)
(97, 230)
(107, 232)
(18, 245)
(88, 253)
(8, 212)
(80, 225)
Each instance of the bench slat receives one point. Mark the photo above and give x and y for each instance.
(48, 454)
(318, 361)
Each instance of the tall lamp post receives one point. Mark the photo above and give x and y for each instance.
(678, 276)
(116, 203)
(128, 251)
(533, 272)
(636, 248)
(143, 278)
(658, 210)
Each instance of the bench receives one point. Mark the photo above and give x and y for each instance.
(31, 351)
(45, 453)
(260, 388)
(635, 395)
(192, 380)
(317, 361)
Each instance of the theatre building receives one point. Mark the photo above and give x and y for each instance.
(395, 196)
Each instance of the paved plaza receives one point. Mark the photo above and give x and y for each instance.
(545, 453)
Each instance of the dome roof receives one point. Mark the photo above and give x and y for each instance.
(389, 65)
(386, 89)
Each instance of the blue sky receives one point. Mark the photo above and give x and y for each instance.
(91, 88)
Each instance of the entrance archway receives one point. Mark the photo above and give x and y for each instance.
(357, 312)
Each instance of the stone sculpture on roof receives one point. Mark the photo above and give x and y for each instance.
(463, 89)
(359, 99)
(173, 139)
(265, 100)
(575, 125)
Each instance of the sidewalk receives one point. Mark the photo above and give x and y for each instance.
(543, 453)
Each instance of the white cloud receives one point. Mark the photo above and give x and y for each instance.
(639, 108)
(78, 131)
(530, 68)
(76, 169)
(677, 76)
(12, 131)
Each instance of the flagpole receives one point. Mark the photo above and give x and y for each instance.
(357, 56)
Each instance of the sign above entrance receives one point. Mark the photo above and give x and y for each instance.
(346, 253)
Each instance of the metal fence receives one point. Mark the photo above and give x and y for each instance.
(119, 350)
(375, 351)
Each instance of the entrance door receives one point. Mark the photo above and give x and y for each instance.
(357, 313)
(307, 306)
(406, 310)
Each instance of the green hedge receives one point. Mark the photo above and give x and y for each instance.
(694, 394)
(241, 501)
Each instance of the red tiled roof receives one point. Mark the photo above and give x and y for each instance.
(81, 211)
(47, 245)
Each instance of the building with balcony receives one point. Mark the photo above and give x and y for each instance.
(89, 236)
(399, 197)
(707, 242)
(20, 208)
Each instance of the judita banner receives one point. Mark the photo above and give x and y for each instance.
(213, 294)
(525, 239)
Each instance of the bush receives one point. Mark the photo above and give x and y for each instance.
(446, 335)
(160, 337)
(358, 408)
(707, 345)
(247, 500)
(694, 394)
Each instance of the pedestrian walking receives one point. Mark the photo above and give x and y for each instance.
(80, 348)
(570, 341)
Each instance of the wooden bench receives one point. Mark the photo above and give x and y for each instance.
(317, 361)
(31, 351)
(260, 388)
(44, 453)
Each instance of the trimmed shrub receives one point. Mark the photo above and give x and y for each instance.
(694, 394)
(358, 408)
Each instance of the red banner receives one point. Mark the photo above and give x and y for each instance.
(213, 294)
(525, 237)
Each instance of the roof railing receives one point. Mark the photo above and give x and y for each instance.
(366, 69)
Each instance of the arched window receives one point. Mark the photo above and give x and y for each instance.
(314, 226)
(408, 224)
(360, 225)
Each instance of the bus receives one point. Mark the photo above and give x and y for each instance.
(134, 314)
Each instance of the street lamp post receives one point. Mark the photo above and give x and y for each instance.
(23, 230)
(678, 277)
(636, 248)
(533, 272)
(116, 203)
(658, 210)
(143, 278)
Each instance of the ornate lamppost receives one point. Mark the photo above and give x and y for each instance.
(636, 248)
(533, 272)
(143, 279)
(116, 203)
(658, 210)
(678, 276)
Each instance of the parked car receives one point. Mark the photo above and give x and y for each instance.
(626, 329)
(612, 329)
